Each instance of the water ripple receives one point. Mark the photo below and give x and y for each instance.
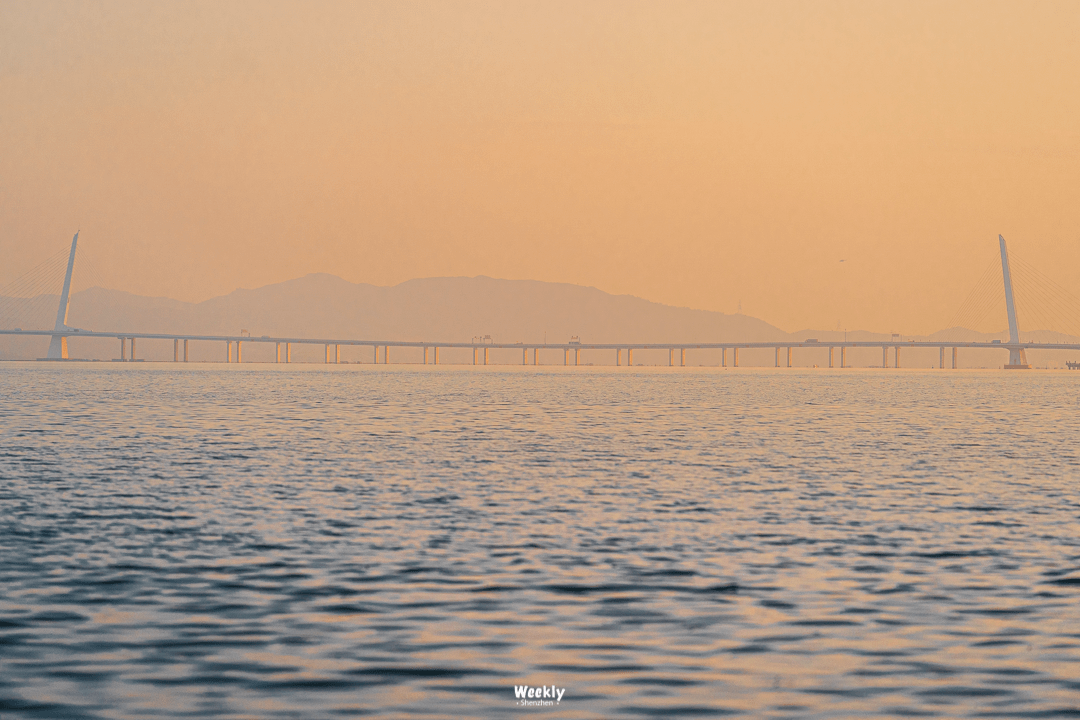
(289, 542)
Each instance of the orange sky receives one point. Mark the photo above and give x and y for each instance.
(696, 154)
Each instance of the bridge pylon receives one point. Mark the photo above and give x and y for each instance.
(58, 349)
(1017, 356)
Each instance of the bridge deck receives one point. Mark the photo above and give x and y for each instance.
(559, 346)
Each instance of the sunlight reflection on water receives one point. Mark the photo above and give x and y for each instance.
(307, 542)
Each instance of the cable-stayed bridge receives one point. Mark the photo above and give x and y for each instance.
(993, 290)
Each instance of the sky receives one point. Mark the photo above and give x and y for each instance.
(818, 165)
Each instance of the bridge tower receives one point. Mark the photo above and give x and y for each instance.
(58, 349)
(1017, 357)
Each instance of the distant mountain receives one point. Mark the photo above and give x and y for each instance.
(434, 309)
(440, 310)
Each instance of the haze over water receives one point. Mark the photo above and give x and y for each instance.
(414, 542)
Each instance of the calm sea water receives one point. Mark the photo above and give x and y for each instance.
(404, 542)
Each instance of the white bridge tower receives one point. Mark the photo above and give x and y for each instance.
(58, 349)
(1017, 357)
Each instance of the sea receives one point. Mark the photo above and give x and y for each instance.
(270, 541)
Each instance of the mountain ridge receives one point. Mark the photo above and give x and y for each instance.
(437, 309)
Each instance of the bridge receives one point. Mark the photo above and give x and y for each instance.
(622, 353)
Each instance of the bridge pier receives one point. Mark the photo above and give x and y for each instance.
(844, 346)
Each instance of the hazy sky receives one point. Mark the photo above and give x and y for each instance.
(697, 154)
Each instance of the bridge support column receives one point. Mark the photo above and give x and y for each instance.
(337, 354)
(897, 356)
(228, 351)
(277, 352)
(487, 355)
(577, 356)
(288, 352)
(133, 348)
(843, 357)
(123, 349)
(941, 359)
(789, 356)
(58, 347)
(830, 356)
(239, 351)
(566, 356)
(734, 357)
(723, 357)
(884, 356)
(671, 357)
(629, 357)
(618, 357)
(326, 354)
(176, 350)
(954, 358)
(536, 353)
(436, 358)
(524, 356)
(385, 354)
(682, 357)
(185, 351)
(777, 357)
